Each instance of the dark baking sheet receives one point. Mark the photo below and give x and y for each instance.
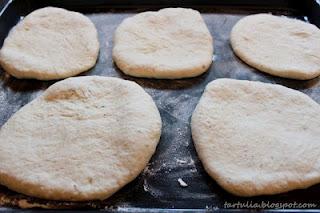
(157, 187)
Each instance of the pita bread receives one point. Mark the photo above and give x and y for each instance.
(83, 139)
(257, 139)
(279, 46)
(171, 43)
(50, 43)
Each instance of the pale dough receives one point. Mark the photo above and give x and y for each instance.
(50, 43)
(279, 46)
(255, 138)
(170, 43)
(84, 138)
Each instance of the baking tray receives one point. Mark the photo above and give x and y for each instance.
(156, 188)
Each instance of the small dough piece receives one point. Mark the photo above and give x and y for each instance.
(170, 43)
(83, 139)
(50, 43)
(257, 139)
(279, 46)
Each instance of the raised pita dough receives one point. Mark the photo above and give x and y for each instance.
(50, 43)
(279, 46)
(255, 138)
(83, 139)
(170, 43)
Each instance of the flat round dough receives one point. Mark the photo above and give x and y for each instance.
(50, 43)
(83, 139)
(170, 43)
(255, 138)
(279, 46)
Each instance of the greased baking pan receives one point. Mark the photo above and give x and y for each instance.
(157, 188)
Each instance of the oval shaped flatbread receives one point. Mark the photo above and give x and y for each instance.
(279, 46)
(170, 43)
(50, 43)
(83, 139)
(255, 138)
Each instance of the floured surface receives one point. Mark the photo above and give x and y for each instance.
(255, 138)
(279, 46)
(50, 43)
(175, 156)
(170, 43)
(87, 136)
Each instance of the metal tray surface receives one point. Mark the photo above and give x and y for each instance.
(157, 188)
